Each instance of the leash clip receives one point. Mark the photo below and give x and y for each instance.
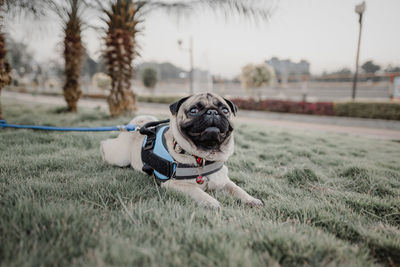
(127, 128)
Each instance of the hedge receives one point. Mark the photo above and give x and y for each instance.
(317, 108)
(372, 110)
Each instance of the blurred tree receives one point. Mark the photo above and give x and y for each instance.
(11, 8)
(391, 68)
(370, 67)
(54, 67)
(256, 76)
(341, 75)
(102, 81)
(122, 26)
(165, 70)
(19, 57)
(89, 66)
(149, 78)
(343, 71)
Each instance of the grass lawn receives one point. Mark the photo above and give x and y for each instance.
(329, 200)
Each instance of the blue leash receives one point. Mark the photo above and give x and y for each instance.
(125, 128)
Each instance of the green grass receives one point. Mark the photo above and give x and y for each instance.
(329, 200)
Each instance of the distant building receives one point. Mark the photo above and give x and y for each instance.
(285, 68)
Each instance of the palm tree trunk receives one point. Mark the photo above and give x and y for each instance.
(122, 20)
(72, 90)
(119, 55)
(73, 51)
(5, 69)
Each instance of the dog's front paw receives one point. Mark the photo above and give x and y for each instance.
(254, 202)
(211, 204)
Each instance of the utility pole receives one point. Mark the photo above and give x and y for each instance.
(190, 50)
(360, 9)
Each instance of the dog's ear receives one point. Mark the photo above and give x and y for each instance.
(175, 106)
(233, 107)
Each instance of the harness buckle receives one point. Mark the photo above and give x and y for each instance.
(149, 143)
(174, 165)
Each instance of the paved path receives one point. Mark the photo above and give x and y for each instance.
(381, 129)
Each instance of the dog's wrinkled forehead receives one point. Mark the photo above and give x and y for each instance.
(206, 99)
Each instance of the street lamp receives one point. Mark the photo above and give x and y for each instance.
(359, 9)
(190, 50)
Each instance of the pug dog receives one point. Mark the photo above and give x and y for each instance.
(200, 127)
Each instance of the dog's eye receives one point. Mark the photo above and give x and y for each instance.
(193, 110)
(225, 110)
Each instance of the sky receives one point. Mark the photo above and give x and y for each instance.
(323, 32)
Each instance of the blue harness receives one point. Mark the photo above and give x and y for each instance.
(158, 161)
(160, 149)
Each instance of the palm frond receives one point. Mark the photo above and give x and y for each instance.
(35, 8)
(250, 10)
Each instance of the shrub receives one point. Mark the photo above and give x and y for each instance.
(255, 76)
(317, 108)
(149, 78)
(387, 111)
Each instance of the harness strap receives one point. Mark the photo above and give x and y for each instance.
(184, 171)
(157, 163)
(156, 158)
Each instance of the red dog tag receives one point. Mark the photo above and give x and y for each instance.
(200, 179)
(199, 161)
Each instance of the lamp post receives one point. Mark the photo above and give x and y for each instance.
(359, 9)
(190, 50)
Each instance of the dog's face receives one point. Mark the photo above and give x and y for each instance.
(204, 120)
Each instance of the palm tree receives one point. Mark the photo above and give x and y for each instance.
(122, 27)
(70, 12)
(11, 8)
(122, 19)
(73, 52)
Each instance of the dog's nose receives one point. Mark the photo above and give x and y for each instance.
(212, 112)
